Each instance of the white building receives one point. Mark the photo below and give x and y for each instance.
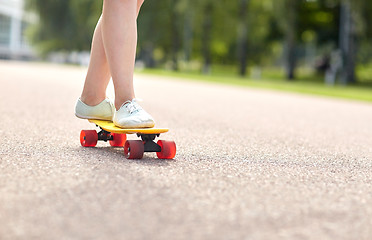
(13, 22)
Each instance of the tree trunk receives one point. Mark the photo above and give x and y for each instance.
(206, 37)
(175, 36)
(243, 37)
(290, 38)
(347, 43)
(147, 54)
(188, 34)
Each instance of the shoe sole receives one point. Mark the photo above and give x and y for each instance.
(149, 125)
(91, 118)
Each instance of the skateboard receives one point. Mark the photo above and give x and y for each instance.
(133, 149)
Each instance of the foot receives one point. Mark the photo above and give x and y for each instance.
(102, 111)
(132, 115)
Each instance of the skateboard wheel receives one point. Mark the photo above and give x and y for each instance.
(118, 139)
(134, 149)
(168, 149)
(88, 138)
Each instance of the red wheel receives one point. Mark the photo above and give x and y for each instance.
(168, 149)
(118, 139)
(88, 138)
(133, 149)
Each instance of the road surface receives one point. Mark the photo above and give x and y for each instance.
(251, 164)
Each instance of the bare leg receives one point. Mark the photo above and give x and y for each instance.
(119, 34)
(99, 75)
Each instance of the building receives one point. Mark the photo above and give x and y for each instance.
(13, 23)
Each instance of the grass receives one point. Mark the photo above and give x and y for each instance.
(307, 82)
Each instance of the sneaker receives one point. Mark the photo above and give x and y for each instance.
(103, 111)
(131, 115)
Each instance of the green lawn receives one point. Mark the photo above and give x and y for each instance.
(272, 79)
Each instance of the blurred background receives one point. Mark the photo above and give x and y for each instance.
(323, 42)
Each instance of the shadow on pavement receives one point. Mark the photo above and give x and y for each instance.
(149, 159)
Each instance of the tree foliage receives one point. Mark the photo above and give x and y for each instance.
(184, 33)
(63, 24)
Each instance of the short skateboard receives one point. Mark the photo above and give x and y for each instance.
(133, 149)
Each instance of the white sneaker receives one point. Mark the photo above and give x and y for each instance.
(103, 111)
(131, 115)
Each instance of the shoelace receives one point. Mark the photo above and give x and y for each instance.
(132, 106)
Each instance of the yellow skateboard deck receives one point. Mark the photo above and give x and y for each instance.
(109, 126)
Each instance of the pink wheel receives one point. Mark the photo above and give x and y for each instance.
(118, 139)
(88, 138)
(168, 149)
(134, 149)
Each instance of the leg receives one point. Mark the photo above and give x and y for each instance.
(98, 74)
(113, 52)
(139, 4)
(119, 35)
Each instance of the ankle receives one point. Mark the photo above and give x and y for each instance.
(92, 100)
(119, 102)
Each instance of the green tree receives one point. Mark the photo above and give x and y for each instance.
(288, 18)
(242, 37)
(347, 42)
(243, 33)
(63, 24)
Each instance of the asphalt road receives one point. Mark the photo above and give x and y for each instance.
(251, 164)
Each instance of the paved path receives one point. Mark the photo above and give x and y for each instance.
(251, 164)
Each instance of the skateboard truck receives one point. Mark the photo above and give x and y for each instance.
(104, 136)
(149, 144)
(147, 139)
